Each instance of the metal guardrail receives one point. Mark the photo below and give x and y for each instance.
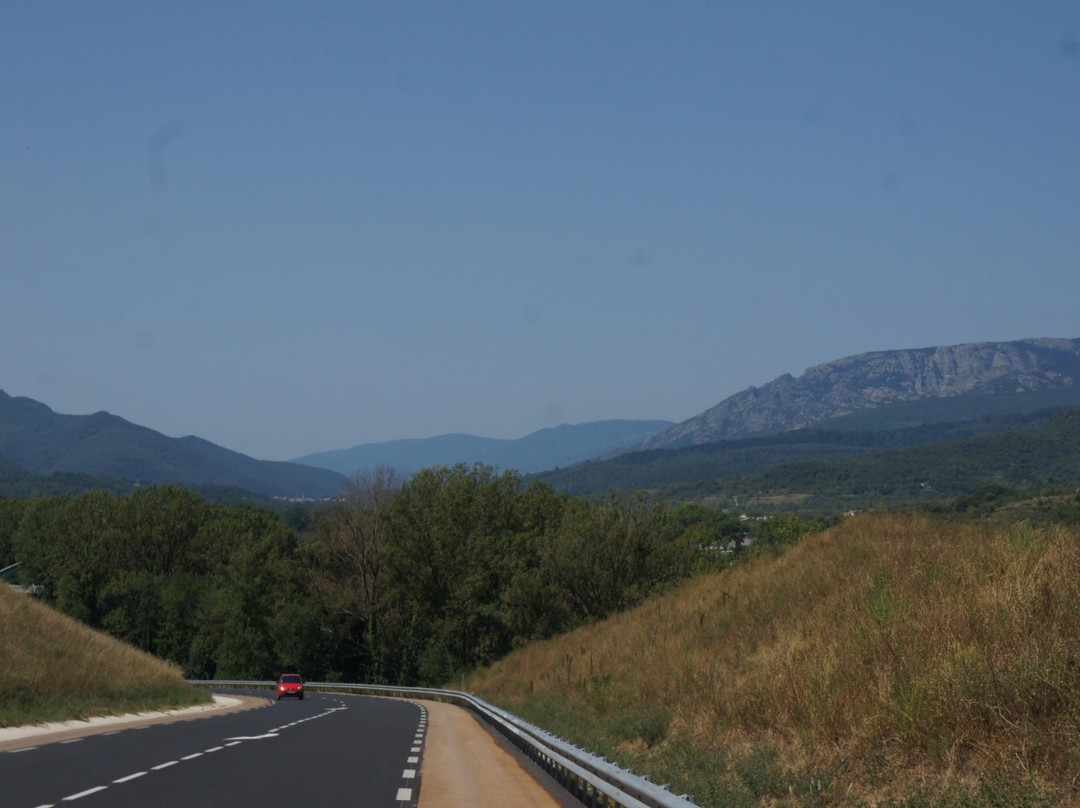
(9, 573)
(595, 781)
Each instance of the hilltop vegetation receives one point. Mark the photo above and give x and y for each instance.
(892, 660)
(56, 669)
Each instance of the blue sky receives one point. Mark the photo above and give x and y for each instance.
(292, 227)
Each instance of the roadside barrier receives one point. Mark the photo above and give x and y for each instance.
(593, 780)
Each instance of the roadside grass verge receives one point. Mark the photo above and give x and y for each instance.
(53, 668)
(893, 660)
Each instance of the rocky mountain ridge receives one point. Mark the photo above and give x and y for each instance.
(878, 378)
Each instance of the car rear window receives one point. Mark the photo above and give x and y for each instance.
(291, 679)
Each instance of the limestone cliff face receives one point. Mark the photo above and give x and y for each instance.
(883, 377)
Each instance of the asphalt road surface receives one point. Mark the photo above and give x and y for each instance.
(326, 750)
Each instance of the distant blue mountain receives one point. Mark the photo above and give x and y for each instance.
(546, 449)
(34, 437)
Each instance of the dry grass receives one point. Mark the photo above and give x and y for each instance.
(885, 656)
(54, 668)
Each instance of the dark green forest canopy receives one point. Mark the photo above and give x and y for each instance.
(402, 582)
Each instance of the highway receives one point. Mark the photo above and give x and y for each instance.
(326, 750)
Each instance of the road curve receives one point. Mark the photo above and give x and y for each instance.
(325, 750)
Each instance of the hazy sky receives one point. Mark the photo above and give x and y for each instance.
(293, 227)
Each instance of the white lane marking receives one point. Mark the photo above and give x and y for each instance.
(146, 727)
(415, 749)
(192, 757)
(82, 794)
(413, 760)
(24, 749)
(164, 765)
(50, 805)
(130, 777)
(214, 749)
(234, 743)
(239, 738)
(107, 734)
(404, 794)
(409, 774)
(74, 740)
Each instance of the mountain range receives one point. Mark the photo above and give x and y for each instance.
(897, 394)
(880, 378)
(541, 450)
(34, 437)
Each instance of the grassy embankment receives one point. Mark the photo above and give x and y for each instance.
(54, 668)
(892, 660)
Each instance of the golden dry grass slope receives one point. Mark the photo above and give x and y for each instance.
(890, 660)
(54, 668)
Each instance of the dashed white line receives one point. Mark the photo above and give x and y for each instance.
(24, 749)
(130, 777)
(192, 756)
(74, 740)
(86, 793)
(214, 749)
(408, 774)
(164, 765)
(415, 749)
(234, 743)
(404, 794)
(107, 734)
(413, 760)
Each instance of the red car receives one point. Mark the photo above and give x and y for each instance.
(290, 684)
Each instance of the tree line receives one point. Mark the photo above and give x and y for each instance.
(408, 582)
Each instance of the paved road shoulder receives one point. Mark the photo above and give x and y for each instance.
(463, 765)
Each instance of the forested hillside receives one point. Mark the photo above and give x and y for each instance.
(1047, 455)
(829, 471)
(653, 468)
